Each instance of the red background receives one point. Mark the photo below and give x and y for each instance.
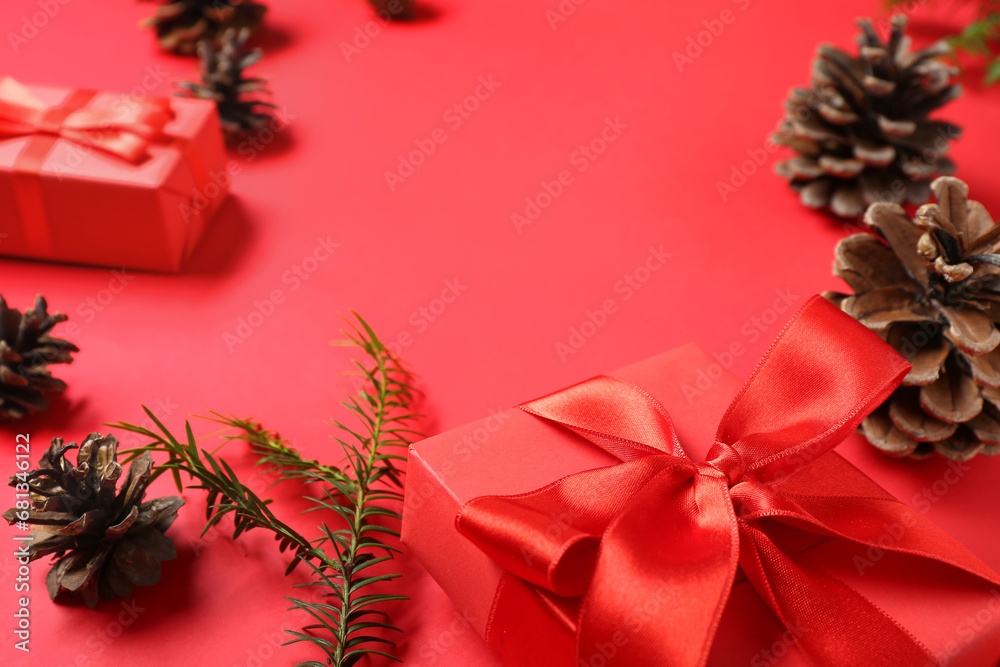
(161, 340)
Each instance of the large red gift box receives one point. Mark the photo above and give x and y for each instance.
(954, 617)
(105, 178)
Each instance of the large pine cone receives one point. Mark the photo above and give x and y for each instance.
(861, 130)
(181, 24)
(104, 541)
(242, 102)
(26, 348)
(930, 286)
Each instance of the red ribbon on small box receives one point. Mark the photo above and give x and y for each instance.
(659, 521)
(124, 129)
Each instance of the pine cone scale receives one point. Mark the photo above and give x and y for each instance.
(117, 531)
(971, 331)
(926, 361)
(985, 368)
(953, 398)
(909, 417)
(881, 306)
(884, 435)
(91, 523)
(159, 512)
(929, 286)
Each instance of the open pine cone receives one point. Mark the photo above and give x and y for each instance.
(104, 541)
(930, 286)
(242, 101)
(26, 349)
(861, 130)
(181, 24)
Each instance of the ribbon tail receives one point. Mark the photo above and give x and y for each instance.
(892, 526)
(833, 624)
(663, 577)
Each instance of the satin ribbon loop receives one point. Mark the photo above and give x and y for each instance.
(51, 121)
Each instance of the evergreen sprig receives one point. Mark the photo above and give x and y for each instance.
(274, 452)
(979, 38)
(359, 492)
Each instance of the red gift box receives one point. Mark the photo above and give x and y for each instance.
(953, 615)
(105, 178)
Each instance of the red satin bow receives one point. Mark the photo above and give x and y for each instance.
(122, 126)
(595, 548)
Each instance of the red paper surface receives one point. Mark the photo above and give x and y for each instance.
(446, 233)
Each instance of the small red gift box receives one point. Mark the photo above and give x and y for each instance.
(105, 178)
(899, 592)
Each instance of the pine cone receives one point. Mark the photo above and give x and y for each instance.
(239, 99)
(393, 10)
(25, 350)
(181, 24)
(930, 286)
(861, 130)
(104, 542)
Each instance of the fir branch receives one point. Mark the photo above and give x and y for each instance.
(274, 453)
(357, 492)
(226, 494)
(383, 408)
